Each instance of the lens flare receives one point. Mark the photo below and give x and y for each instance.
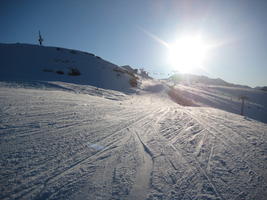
(188, 53)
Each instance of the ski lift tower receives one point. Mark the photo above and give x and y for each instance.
(40, 39)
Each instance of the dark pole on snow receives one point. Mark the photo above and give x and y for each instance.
(40, 39)
(242, 98)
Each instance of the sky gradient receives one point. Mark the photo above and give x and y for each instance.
(120, 31)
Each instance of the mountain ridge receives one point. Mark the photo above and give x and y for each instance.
(194, 79)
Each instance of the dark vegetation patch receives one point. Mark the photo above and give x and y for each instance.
(60, 72)
(73, 52)
(48, 70)
(118, 74)
(133, 81)
(74, 72)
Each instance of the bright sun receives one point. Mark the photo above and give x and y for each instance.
(187, 53)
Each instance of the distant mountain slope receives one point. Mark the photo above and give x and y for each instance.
(31, 62)
(226, 98)
(217, 93)
(197, 79)
(263, 88)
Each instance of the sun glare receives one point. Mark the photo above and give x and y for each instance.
(187, 53)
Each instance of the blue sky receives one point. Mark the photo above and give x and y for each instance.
(114, 30)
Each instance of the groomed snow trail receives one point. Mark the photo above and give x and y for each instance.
(62, 145)
(142, 180)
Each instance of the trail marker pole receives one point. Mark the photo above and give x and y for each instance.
(40, 39)
(243, 98)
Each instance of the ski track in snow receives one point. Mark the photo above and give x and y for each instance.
(57, 144)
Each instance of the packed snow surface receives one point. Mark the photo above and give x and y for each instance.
(66, 141)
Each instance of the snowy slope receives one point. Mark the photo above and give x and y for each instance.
(227, 98)
(31, 62)
(59, 144)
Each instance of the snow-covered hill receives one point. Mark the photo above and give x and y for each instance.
(31, 62)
